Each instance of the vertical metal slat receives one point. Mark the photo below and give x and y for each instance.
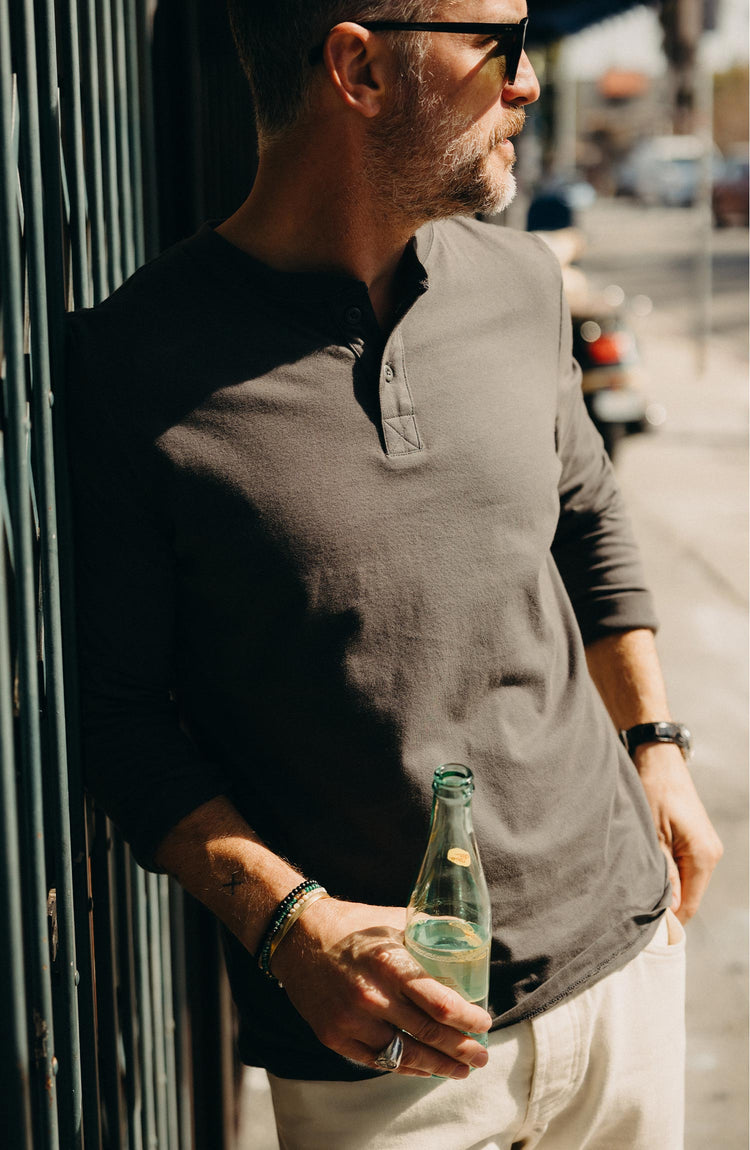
(157, 1005)
(183, 1036)
(122, 114)
(72, 117)
(14, 1055)
(145, 1013)
(93, 137)
(168, 1013)
(105, 942)
(15, 1102)
(109, 143)
(20, 487)
(135, 121)
(47, 357)
(130, 1018)
(143, 15)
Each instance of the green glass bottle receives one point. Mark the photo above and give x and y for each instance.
(448, 922)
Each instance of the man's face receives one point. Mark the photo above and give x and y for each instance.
(442, 147)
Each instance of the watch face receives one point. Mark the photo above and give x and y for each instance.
(659, 733)
(687, 743)
(677, 733)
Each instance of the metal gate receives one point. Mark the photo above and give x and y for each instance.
(110, 980)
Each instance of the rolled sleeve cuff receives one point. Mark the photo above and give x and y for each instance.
(613, 613)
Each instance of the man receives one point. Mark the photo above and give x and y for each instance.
(338, 498)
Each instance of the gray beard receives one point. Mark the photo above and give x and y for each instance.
(425, 165)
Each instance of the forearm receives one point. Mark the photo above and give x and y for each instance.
(627, 673)
(343, 965)
(216, 856)
(626, 670)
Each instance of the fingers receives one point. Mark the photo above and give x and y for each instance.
(695, 875)
(674, 878)
(429, 1047)
(690, 868)
(363, 1054)
(427, 1059)
(685, 831)
(445, 1006)
(418, 1060)
(435, 1018)
(430, 1031)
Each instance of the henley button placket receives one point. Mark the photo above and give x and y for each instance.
(400, 430)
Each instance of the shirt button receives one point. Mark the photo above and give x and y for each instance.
(353, 315)
(387, 373)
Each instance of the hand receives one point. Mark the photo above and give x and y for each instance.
(685, 831)
(346, 970)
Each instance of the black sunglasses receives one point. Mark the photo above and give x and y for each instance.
(510, 38)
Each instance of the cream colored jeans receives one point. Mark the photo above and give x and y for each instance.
(604, 1070)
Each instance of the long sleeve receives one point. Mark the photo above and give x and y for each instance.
(594, 547)
(138, 763)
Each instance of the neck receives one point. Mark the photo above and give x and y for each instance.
(311, 209)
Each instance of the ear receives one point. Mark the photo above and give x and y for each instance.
(355, 62)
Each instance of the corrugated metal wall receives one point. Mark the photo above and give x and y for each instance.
(110, 980)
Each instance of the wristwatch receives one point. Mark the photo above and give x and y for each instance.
(658, 733)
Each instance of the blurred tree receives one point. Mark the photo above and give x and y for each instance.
(731, 112)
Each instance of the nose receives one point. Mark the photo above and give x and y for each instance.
(525, 88)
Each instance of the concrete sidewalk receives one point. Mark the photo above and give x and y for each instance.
(687, 491)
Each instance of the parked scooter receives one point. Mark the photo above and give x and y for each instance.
(604, 345)
(603, 341)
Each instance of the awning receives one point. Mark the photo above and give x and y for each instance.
(550, 20)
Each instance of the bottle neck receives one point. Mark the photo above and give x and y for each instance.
(451, 818)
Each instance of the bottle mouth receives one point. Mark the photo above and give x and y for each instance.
(453, 780)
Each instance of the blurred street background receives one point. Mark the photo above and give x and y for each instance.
(661, 234)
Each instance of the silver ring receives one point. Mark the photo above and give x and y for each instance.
(390, 1056)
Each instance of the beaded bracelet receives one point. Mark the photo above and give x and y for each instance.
(279, 916)
(296, 912)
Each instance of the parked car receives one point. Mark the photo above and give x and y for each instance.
(667, 170)
(731, 192)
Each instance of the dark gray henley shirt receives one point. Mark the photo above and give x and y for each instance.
(315, 561)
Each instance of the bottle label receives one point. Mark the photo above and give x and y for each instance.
(459, 856)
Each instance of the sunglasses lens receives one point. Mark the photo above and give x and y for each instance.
(514, 54)
(509, 50)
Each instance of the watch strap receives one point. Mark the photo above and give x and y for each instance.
(657, 733)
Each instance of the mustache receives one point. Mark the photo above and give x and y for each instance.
(513, 123)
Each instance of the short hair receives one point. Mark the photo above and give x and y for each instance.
(274, 39)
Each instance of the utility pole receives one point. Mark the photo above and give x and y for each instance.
(682, 22)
